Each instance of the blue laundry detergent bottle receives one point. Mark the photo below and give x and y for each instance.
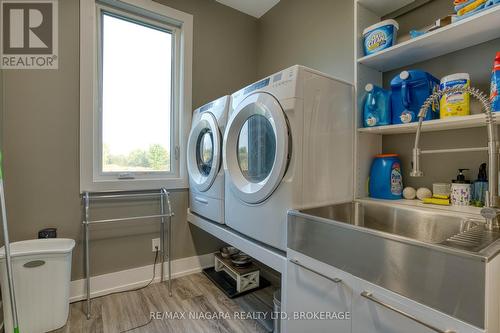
(386, 177)
(410, 89)
(377, 106)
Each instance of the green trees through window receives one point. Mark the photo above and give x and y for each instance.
(155, 158)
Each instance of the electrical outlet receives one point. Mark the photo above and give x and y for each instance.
(155, 244)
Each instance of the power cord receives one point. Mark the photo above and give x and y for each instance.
(140, 288)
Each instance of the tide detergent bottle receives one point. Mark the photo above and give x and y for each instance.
(495, 82)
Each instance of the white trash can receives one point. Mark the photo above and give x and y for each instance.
(42, 273)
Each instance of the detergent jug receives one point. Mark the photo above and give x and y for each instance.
(410, 89)
(377, 106)
(386, 177)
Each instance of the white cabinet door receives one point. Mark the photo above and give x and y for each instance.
(313, 290)
(377, 310)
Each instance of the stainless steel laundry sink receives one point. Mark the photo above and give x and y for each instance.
(426, 226)
(431, 256)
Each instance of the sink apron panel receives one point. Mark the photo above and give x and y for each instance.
(447, 282)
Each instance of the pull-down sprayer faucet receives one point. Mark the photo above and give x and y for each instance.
(491, 211)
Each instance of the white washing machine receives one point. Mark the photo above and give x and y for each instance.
(288, 145)
(204, 160)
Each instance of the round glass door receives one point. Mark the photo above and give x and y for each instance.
(256, 148)
(204, 152)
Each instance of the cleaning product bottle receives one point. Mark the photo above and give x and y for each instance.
(461, 190)
(386, 177)
(495, 82)
(479, 187)
(457, 104)
(377, 106)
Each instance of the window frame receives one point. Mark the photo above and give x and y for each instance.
(92, 177)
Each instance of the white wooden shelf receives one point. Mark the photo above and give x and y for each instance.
(474, 30)
(476, 120)
(469, 210)
(384, 7)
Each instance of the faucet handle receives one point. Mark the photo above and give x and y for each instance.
(489, 213)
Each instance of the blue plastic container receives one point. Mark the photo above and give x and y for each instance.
(380, 36)
(386, 177)
(409, 90)
(377, 106)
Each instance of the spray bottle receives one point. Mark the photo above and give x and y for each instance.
(480, 186)
(495, 83)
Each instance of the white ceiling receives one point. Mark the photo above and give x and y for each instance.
(255, 8)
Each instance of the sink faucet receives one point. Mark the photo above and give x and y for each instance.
(491, 210)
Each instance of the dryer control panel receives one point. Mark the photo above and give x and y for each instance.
(277, 84)
(218, 108)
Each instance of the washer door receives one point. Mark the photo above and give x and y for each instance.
(256, 147)
(204, 152)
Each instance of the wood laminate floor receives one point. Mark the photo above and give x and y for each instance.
(191, 294)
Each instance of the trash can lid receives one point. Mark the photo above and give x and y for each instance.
(39, 246)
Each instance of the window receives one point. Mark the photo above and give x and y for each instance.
(135, 102)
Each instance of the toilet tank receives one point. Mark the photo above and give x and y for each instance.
(42, 273)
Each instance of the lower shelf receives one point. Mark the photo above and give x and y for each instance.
(271, 257)
(470, 210)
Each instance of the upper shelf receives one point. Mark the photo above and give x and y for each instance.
(471, 31)
(476, 120)
(384, 7)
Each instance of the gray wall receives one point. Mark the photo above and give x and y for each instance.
(477, 61)
(225, 41)
(40, 127)
(40, 132)
(314, 33)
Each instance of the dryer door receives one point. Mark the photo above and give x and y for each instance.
(256, 148)
(204, 152)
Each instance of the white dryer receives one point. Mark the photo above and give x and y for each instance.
(288, 144)
(204, 160)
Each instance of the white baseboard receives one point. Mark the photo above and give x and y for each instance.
(136, 277)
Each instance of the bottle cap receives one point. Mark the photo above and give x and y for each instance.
(496, 63)
(404, 75)
(386, 155)
(369, 87)
(461, 177)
